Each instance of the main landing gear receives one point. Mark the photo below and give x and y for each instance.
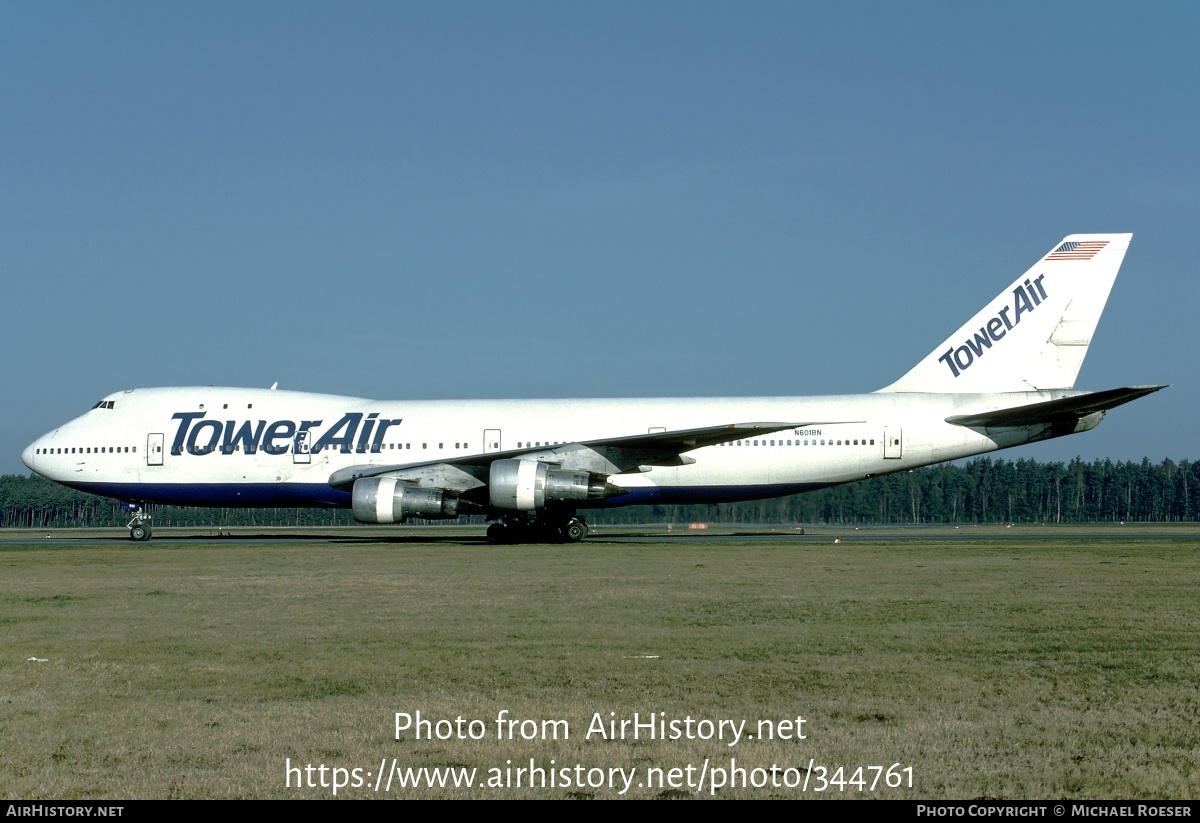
(534, 529)
(139, 524)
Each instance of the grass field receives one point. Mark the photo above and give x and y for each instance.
(1014, 663)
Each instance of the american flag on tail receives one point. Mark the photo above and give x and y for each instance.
(1077, 250)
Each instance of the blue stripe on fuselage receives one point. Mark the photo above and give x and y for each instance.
(257, 495)
(321, 495)
(661, 495)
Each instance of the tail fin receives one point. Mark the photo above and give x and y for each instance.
(1034, 335)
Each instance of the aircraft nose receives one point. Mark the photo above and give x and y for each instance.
(27, 458)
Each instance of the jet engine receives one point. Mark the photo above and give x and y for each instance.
(527, 485)
(388, 500)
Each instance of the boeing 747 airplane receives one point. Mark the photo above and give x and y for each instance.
(1004, 378)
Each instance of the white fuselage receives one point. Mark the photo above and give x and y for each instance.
(253, 447)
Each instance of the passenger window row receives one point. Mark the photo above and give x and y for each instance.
(814, 442)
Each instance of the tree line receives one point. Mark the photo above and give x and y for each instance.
(982, 490)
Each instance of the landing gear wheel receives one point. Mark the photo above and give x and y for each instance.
(497, 533)
(575, 530)
(139, 524)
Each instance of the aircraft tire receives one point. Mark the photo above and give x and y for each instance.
(139, 533)
(575, 531)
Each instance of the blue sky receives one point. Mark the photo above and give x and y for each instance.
(404, 200)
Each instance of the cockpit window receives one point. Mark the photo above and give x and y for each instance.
(105, 404)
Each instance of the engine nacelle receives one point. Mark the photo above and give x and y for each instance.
(388, 500)
(526, 485)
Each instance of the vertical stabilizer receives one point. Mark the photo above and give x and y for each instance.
(1035, 334)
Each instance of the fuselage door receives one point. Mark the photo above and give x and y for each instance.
(491, 440)
(154, 450)
(301, 448)
(893, 442)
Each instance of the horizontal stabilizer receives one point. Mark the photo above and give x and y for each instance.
(1050, 411)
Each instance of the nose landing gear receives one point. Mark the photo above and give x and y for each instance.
(139, 524)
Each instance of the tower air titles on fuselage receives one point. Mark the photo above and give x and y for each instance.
(200, 435)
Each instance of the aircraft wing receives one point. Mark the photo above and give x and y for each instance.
(612, 455)
(1051, 411)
